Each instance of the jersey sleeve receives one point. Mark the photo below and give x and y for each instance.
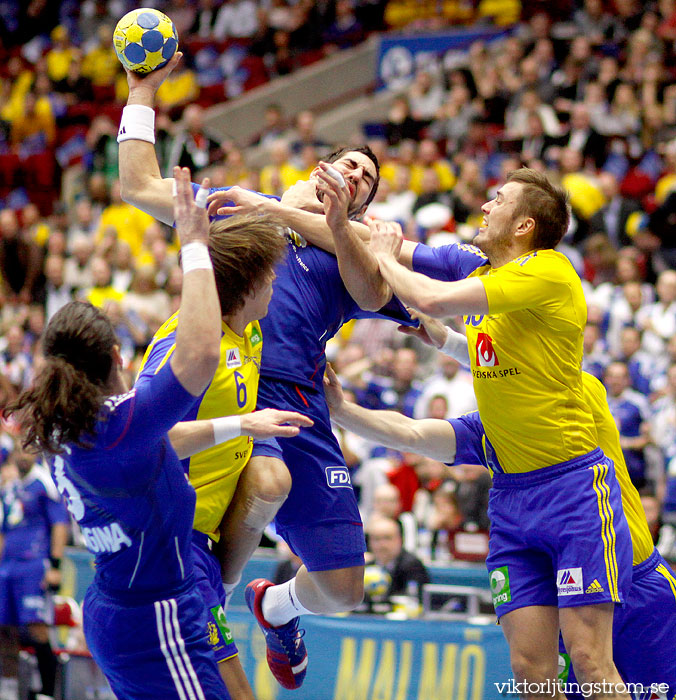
(525, 284)
(57, 512)
(145, 414)
(469, 432)
(394, 310)
(158, 355)
(447, 263)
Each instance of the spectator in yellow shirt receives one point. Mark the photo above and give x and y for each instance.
(36, 118)
(61, 54)
(100, 63)
(128, 222)
(102, 291)
(280, 173)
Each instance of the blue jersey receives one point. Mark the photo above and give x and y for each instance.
(309, 305)
(129, 493)
(28, 509)
(448, 263)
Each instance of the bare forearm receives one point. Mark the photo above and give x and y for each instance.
(432, 438)
(313, 227)
(59, 539)
(431, 296)
(359, 270)
(141, 181)
(190, 437)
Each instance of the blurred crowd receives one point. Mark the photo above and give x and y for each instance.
(584, 91)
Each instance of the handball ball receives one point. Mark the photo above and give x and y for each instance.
(144, 40)
(376, 582)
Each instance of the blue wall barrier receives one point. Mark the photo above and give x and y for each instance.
(370, 658)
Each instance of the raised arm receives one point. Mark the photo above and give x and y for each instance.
(198, 334)
(430, 437)
(430, 296)
(190, 437)
(141, 182)
(358, 266)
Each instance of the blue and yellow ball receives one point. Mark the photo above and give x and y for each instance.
(145, 40)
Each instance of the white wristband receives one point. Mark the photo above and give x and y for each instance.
(138, 122)
(456, 346)
(195, 256)
(226, 428)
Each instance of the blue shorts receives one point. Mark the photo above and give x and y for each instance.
(210, 586)
(644, 629)
(150, 648)
(320, 519)
(23, 601)
(558, 536)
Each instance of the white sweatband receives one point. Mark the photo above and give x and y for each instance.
(138, 122)
(201, 197)
(455, 346)
(226, 428)
(195, 256)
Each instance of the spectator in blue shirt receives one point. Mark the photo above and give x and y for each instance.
(630, 410)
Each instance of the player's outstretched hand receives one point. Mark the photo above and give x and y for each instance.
(303, 195)
(333, 389)
(192, 222)
(270, 422)
(386, 237)
(431, 331)
(237, 200)
(335, 195)
(152, 81)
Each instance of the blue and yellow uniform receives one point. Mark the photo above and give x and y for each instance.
(555, 506)
(214, 472)
(644, 629)
(144, 618)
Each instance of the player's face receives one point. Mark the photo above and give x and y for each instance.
(360, 174)
(257, 302)
(498, 225)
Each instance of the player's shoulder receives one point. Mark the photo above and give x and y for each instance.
(469, 249)
(168, 328)
(547, 263)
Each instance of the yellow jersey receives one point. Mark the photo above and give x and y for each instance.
(233, 390)
(526, 357)
(609, 442)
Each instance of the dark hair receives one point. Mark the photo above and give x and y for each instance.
(333, 157)
(65, 399)
(243, 250)
(546, 204)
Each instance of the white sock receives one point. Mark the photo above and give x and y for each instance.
(229, 588)
(281, 604)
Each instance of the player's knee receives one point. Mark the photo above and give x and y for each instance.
(589, 664)
(348, 593)
(268, 479)
(529, 664)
